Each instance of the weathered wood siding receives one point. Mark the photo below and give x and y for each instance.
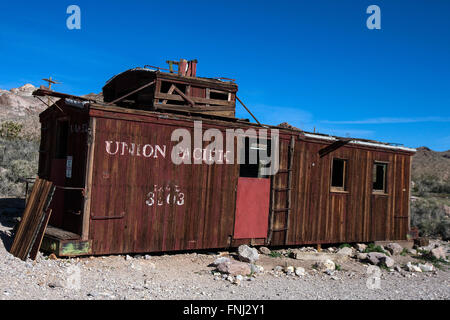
(122, 220)
(321, 216)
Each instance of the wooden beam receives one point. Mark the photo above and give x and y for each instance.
(88, 179)
(172, 87)
(248, 110)
(192, 103)
(167, 96)
(334, 146)
(132, 92)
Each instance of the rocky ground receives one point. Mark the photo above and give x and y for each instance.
(296, 273)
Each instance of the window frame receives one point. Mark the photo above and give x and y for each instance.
(342, 189)
(383, 191)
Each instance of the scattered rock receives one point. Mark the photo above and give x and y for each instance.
(374, 257)
(256, 269)
(147, 257)
(238, 279)
(221, 260)
(412, 251)
(289, 269)
(427, 267)
(394, 248)
(264, 250)
(378, 258)
(128, 258)
(346, 251)
(438, 253)
(361, 256)
(412, 268)
(52, 256)
(55, 284)
(248, 254)
(299, 271)
(329, 272)
(325, 265)
(361, 247)
(278, 269)
(387, 261)
(234, 268)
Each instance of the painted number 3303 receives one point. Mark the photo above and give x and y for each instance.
(168, 195)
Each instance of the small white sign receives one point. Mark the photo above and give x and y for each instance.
(69, 167)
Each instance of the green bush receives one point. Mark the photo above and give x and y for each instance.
(18, 159)
(425, 184)
(429, 217)
(21, 169)
(373, 248)
(275, 254)
(10, 129)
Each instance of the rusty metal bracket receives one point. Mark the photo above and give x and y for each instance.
(108, 217)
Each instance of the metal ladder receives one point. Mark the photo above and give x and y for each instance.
(287, 189)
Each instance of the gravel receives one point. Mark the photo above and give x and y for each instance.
(192, 276)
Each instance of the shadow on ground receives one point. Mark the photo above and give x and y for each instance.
(10, 210)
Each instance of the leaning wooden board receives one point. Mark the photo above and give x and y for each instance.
(37, 243)
(34, 219)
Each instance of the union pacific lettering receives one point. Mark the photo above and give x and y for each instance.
(120, 148)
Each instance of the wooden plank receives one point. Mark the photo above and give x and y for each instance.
(37, 244)
(333, 146)
(88, 181)
(37, 220)
(170, 96)
(33, 218)
(197, 108)
(132, 92)
(199, 82)
(30, 205)
(186, 98)
(60, 234)
(171, 89)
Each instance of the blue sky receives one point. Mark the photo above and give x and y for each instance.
(313, 64)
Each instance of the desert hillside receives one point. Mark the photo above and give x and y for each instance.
(427, 162)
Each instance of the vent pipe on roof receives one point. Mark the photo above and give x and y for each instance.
(185, 68)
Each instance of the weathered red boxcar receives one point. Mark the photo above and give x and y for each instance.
(119, 192)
